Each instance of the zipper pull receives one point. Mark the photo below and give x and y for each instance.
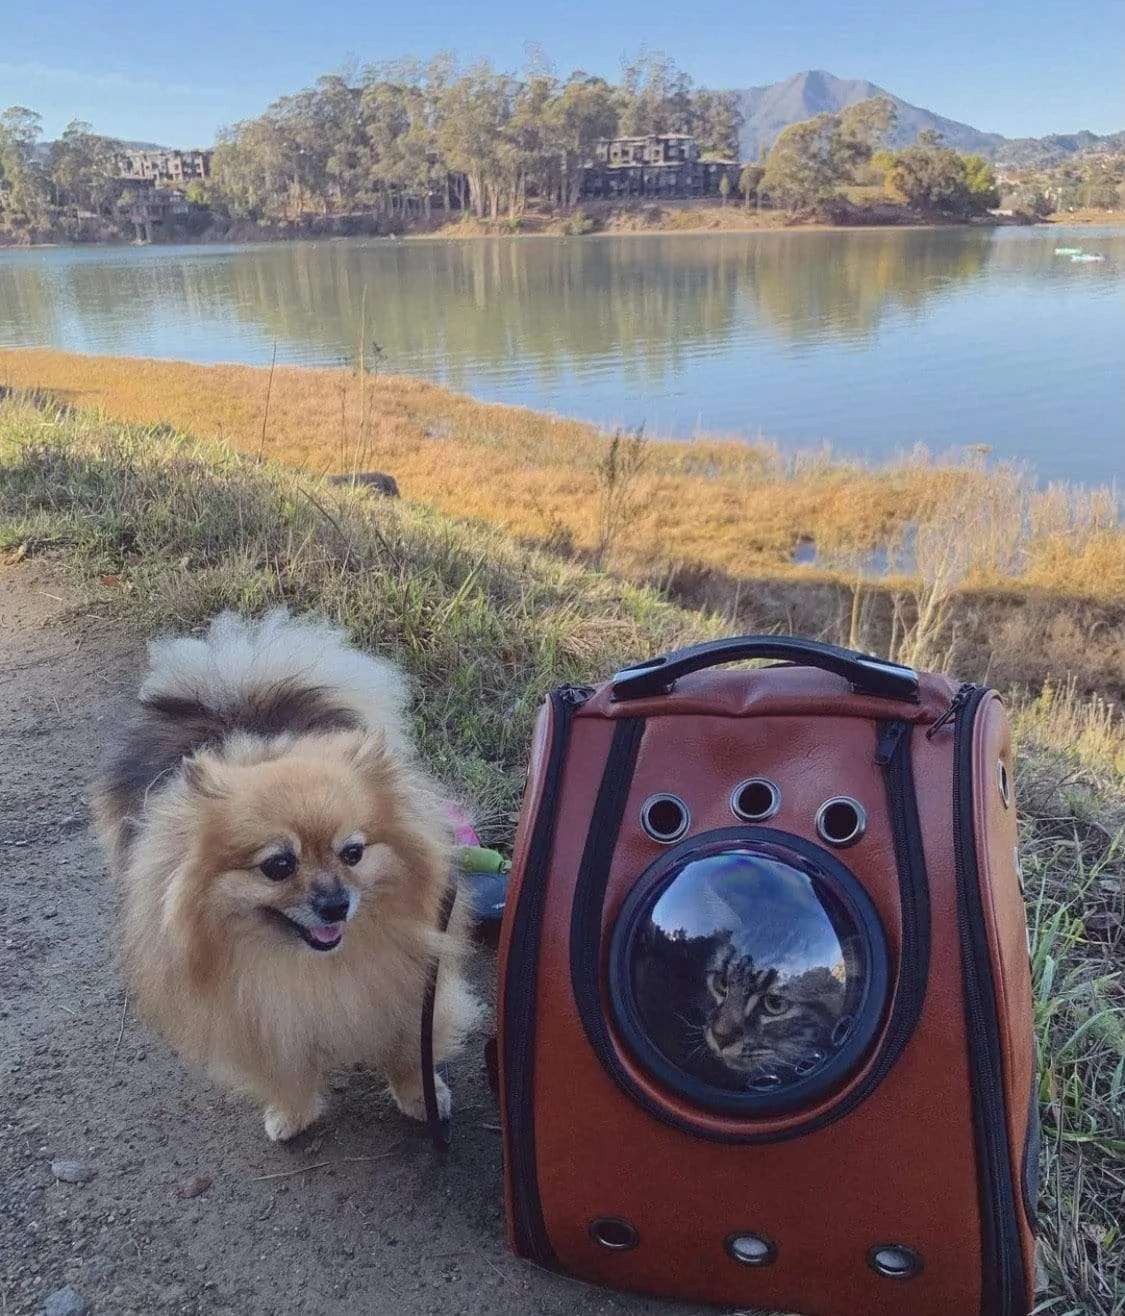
(889, 742)
(959, 700)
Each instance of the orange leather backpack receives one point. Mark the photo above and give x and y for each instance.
(765, 1012)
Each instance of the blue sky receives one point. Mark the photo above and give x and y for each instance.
(173, 73)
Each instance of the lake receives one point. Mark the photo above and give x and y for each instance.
(872, 341)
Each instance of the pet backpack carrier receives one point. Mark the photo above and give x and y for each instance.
(765, 1013)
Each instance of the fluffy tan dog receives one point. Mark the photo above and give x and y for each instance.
(282, 862)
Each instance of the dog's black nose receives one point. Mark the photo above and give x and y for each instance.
(332, 906)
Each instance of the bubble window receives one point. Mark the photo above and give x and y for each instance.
(748, 972)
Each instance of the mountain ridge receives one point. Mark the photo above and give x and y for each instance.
(769, 110)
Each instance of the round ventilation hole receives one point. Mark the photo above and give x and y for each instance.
(841, 822)
(755, 800)
(614, 1234)
(750, 1249)
(665, 818)
(894, 1261)
(1004, 783)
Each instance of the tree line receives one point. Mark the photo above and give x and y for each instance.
(395, 141)
(398, 139)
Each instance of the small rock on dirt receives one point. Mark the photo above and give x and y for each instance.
(193, 1187)
(72, 1172)
(66, 1302)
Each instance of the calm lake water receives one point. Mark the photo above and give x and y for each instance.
(870, 341)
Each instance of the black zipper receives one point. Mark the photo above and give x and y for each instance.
(893, 755)
(1003, 1281)
(520, 989)
(956, 704)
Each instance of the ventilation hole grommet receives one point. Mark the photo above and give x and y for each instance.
(665, 818)
(894, 1261)
(841, 821)
(750, 1249)
(755, 800)
(614, 1234)
(1004, 783)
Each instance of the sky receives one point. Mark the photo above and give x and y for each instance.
(173, 73)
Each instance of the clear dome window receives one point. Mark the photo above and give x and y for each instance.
(748, 975)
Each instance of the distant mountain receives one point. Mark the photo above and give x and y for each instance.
(769, 110)
(1043, 152)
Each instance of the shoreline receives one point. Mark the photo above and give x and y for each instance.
(451, 233)
(705, 220)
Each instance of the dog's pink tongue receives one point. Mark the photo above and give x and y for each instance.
(327, 933)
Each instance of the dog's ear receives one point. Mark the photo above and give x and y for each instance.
(204, 775)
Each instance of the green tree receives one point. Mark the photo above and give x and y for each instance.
(655, 95)
(749, 181)
(23, 182)
(1098, 191)
(934, 179)
(716, 122)
(583, 111)
(83, 168)
(859, 131)
(802, 169)
(980, 181)
(810, 160)
(475, 111)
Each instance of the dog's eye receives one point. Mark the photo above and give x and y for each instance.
(351, 854)
(279, 866)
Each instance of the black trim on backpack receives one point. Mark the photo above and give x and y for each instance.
(893, 756)
(1030, 1170)
(519, 998)
(1003, 1279)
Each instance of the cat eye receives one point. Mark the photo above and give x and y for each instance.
(774, 1004)
(352, 853)
(279, 866)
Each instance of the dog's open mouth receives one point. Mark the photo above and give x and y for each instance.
(320, 936)
(324, 937)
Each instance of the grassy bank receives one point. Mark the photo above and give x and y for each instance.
(1037, 578)
(160, 530)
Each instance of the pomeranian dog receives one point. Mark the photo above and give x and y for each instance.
(283, 863)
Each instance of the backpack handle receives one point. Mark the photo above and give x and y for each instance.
(869, 675)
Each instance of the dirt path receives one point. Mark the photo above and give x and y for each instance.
(190, 1209)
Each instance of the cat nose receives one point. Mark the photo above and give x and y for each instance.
(723, 1035)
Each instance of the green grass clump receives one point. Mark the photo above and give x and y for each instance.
(168, 531)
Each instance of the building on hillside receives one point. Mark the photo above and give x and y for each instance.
(155, 211)
(164, 168)
(658, 165)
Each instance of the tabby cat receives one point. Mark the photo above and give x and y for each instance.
(770, 1031)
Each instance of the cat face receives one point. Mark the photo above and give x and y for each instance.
(768, 1030)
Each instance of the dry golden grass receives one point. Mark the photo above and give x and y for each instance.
(731, 506)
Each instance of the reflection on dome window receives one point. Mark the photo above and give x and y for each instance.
(749, 977)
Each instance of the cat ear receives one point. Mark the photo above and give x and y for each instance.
(204, 775)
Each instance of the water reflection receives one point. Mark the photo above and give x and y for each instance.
(737, 333)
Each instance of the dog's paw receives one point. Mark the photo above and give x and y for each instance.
(409, 1099)
(283, 1123)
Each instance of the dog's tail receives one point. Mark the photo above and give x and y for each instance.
(275, 673)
